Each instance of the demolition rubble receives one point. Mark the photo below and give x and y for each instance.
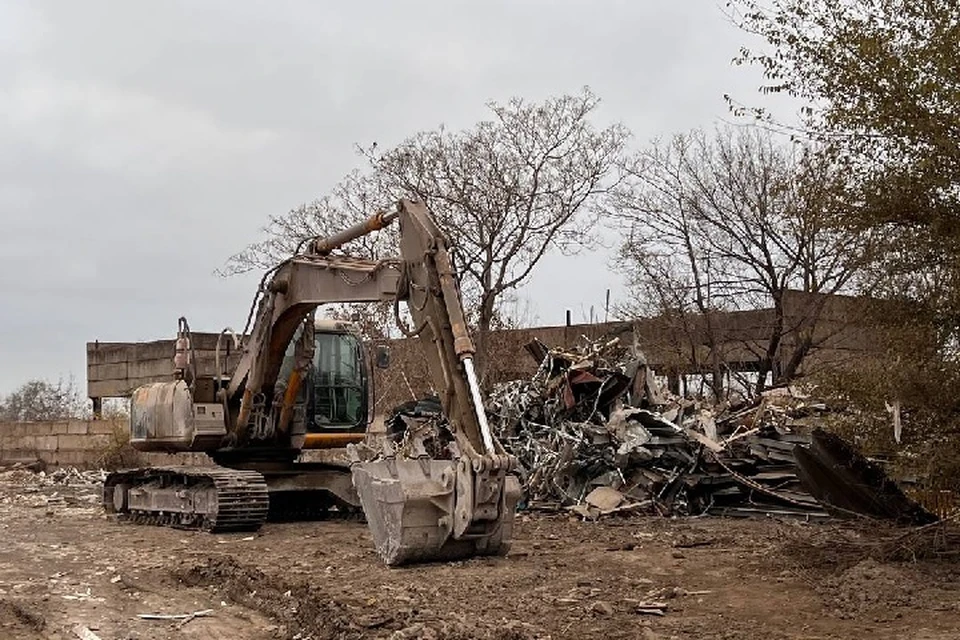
(29, 485)
(594, 435)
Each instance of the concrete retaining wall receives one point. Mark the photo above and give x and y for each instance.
(667, 343)
(672, 346)
(80, 443)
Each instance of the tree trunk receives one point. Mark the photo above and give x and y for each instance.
(768, 364)
(481, 343)
(716, 378)
(804, 342)
(800, 352)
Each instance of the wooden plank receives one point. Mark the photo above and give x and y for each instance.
(84, 633)
(706, 441)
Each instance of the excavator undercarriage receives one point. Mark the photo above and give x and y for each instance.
(214, 499)
(298, 385)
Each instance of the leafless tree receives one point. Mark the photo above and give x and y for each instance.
(507, 191)
(733, 222)
(37, 400)
(352, 200)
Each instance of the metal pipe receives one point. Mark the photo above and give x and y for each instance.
(246, 406)
(216, 353)
(323, 246)
(331, 440)
(478, 405)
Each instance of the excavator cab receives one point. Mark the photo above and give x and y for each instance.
(337, 389)
(334, 394)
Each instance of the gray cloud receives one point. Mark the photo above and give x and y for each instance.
(145, 142)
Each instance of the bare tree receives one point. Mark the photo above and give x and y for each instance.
(734, 222)
(37, 400)
(352, 200)
(375, 320)
(506, 192)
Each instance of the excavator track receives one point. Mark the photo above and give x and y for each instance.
(213, 499)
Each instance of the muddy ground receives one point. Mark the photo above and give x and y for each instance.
(65, 565)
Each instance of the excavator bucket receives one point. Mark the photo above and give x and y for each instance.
(410, 504)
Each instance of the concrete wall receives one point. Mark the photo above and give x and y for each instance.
(115, 369)
(672, 345)
(80, 443)
(73, 442)
(669, 344)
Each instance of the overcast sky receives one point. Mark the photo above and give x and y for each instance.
(142, 143)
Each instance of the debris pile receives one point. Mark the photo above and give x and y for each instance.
(60, 488)
(594, 434)
(24, 475)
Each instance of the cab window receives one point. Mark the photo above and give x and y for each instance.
(338, 386)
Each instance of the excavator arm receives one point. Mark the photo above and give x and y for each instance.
(297, 287)
(429, 284)
(418, 509)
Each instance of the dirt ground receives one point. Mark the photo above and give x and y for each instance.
(64, 564)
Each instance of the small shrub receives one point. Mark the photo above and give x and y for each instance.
(119, 454)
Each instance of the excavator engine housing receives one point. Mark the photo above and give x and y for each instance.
(164, 417)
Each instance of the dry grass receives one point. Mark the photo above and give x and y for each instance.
(841, 546)
(118, 454)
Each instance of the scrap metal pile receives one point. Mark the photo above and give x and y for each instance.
(594, 434)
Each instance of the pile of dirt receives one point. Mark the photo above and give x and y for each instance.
(309, 611)
(19, 476)
(869, 588)
(17, 621)
(63, 488)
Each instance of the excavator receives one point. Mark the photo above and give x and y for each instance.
(302, 383)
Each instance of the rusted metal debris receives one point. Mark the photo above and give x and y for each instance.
(848, 484)
(595, 435)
